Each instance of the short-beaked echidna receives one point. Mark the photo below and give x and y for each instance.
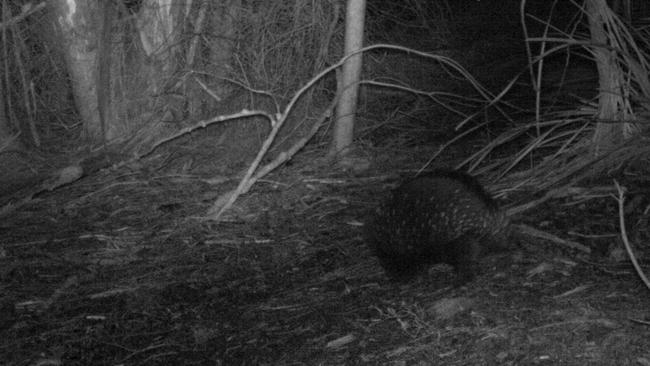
(443, 216)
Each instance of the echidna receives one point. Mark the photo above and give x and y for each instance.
(443, 216)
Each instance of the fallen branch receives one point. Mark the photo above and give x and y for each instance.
(205, 123)
(225, 201)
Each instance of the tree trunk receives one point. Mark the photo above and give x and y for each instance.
(78, 23)
(219, 49)
(159, 24)
(159, 30)
(6, 138)
(118, 86)
(7, 141)
(349, 85)
(610, 78)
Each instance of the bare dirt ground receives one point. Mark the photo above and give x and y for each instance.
(119, 269)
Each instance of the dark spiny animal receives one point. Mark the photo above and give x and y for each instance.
(441, 217)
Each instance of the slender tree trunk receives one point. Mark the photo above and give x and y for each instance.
(349, 85)
(159, 29)
(5, 125)
(159, 24)
(6, 140)
(221, 48)
(609, 75)
(78, 22)
(221, 23)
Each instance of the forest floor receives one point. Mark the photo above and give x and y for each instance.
(119, 269)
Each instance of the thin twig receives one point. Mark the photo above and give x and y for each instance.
(626, 242)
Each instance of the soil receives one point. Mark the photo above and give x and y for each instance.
(119, 268)
(122, 268)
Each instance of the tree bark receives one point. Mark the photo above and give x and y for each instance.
(159, 30)
(607, 134)
(349, 85)
(220, 47)
(7, 141)
(78, 22)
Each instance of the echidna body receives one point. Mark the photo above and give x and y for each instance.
(443, 216)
